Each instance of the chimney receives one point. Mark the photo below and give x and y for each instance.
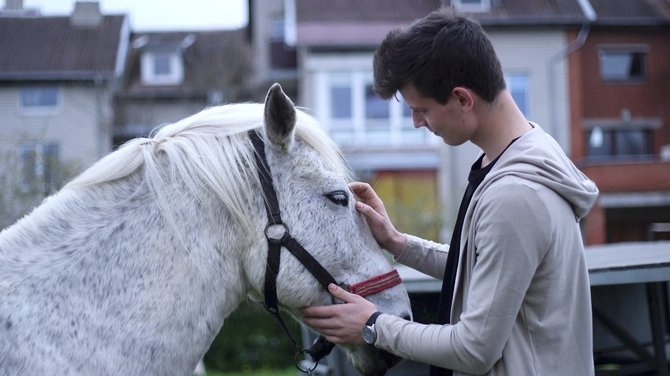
(86, 14)
(13, 5)
(14, 8)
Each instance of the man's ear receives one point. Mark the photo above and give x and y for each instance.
(465, 97)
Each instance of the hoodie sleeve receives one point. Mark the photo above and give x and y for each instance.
(510, 242)
(425, 256)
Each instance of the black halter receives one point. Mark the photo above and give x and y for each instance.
(321, 347)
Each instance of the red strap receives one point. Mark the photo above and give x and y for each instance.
(376, 284)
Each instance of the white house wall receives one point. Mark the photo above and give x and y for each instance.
(80, 123)
(536, 52)
(313, 65)
(530, 52)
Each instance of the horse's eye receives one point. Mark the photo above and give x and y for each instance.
(338, 197)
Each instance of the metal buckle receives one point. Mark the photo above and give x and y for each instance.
(272, 229)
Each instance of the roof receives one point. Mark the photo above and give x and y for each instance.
(365, 23)
(351, 23)
(51, 48)
(532, 12)
(212, 60)
(632, 12)
(634, 262)
(608, 264)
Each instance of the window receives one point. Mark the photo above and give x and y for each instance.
(162, 68)
(39, 98)
(340, 101)
(38, 167)
(517, 84)
(375, 107)
(355, 115)
(282, 55)
(472, 5)
(161, 64)
(618, 143)
(622, 64)
(341, 107)
(377, 116)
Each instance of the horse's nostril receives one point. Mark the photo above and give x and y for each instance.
(406, 316)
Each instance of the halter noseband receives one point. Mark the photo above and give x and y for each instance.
(321, 347)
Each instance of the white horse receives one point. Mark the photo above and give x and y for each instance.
(133, 266)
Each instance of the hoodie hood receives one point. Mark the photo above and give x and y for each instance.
(537, 157)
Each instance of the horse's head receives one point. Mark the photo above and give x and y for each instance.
(317, 209)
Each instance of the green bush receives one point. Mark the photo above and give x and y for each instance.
(290, 371)
(251, 339)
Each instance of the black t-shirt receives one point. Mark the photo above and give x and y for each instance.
(475, 178)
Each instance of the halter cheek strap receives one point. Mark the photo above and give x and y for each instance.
(321, 347)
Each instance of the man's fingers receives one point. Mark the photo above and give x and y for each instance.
(323, 326)
(342, 294)
(359, 187)
(362, 190)
(365, 209)
(317, 312)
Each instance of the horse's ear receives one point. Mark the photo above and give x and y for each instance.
(280, 117)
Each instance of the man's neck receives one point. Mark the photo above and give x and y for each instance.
(500, 122)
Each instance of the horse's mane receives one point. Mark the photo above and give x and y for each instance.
(206, 149)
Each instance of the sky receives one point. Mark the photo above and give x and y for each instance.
(157, 15)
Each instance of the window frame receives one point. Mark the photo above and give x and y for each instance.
(524, 105)
(175, 76)
(481, 6)
(358, 130)
(632, 49)
(39, 109)
(44, 170)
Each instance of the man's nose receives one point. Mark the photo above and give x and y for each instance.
(418, 120)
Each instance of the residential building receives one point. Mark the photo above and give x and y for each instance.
(620, 123)
(420, 179)
(592, 73)
(171, 75)
(620, 137)
(413, 170)
(58, 76)
(271, 36)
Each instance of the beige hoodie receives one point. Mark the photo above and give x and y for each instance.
(522, 301)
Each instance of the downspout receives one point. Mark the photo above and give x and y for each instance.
(561, 131)
(101, 134)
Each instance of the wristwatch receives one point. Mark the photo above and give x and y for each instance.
(369, 333)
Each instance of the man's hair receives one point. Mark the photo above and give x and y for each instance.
(435, 54)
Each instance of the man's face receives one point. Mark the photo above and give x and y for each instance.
(444, 120)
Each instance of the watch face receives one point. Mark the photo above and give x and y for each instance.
(369, 335)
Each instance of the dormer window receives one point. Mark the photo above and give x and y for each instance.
(474, 6)
(162, 68)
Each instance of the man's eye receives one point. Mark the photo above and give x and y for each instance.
(338, 197)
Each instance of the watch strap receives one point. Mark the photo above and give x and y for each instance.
(373, 318)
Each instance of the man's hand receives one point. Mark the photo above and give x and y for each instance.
(340, 323)
(372, 208)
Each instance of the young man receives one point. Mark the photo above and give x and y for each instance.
(516, 296)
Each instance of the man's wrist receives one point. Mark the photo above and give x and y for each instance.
(369, 332)
(397, 245)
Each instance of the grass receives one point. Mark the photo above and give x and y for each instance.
(291, 371)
